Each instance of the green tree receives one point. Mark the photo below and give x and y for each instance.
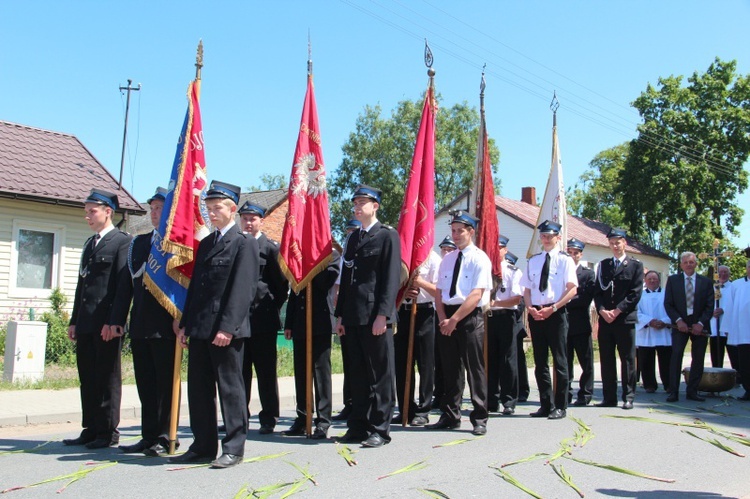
(683, 173)
(596, 195)
(269, 182)
(379, 153)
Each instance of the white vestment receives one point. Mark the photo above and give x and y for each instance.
(651, 306)
(739, 314)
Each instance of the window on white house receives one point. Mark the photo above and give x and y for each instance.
(35, 258)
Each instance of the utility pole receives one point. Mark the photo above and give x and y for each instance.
(125, 132)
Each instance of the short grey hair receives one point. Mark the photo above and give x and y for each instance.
(686, 254)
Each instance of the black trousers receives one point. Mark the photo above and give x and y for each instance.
(618, 338)
(698, 352)
(718, 345)
(153, 364)
(524, 389)
(209, 366)
(321, 371)
(423, 357)
(502, 360)
(549, 335)
(733, 353)
(465, 346)
(371, 372)
(260, 352)
(582, 346)
(647, 366)
(347, 389)
(743, 365)
(101, 384)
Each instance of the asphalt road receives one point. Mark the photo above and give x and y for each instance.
(698, 468)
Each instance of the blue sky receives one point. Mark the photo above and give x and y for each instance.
(63, 61)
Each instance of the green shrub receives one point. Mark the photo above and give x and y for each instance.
(60, 350)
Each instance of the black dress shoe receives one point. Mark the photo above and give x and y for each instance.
(627, 405)
(157, 450)
(435, 404)
(580, 403)
(479, 430)
(695, 397)
(102, 443)
(319, 434)
(374, 441)
(141, 446)
(397, 419)
(606, 404)
(493, 408)
(557, 414)
(344, 414)
(419, 421)
(226, 461)
(190, 457)
(673, 397)
(351, 437)
(82, 439)
(541, 413)
(296, 430)
(444, 423)
(265, 429)
(508, 411)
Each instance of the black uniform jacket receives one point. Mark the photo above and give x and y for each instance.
(322, 303)
(370, 276)
(223, 286)
(104, 286)
(619, 288)
(579, 321)
(273, 288)
(675, 302)
(148, 319)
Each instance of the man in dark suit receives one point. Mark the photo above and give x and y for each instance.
(616, 294)
(295, 328)
(97, 320)
(689, 302)
(579, 328)
(366, 311)
(152, 342)
(265, 319)
(216, 319)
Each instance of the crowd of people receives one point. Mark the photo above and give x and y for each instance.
(455, 322)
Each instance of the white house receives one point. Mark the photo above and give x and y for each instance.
(518, 218)
(44, 178)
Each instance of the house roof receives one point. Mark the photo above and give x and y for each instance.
(269, 199)
(42, 165)
(589, 231)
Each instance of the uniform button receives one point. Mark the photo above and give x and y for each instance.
(354, 280)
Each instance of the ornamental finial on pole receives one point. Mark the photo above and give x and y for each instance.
(199, 60)
(554, 106)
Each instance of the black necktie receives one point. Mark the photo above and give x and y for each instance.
(616, 263)
(456, 271)
(217, 237)
(95, 240)
(545, 274)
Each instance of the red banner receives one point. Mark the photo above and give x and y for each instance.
(183, 220)
(489, 229)
(306, 243)
(416, 224)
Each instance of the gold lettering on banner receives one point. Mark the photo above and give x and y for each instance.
(296, 253)
(153, 264)
(291, 219)
(311, 134)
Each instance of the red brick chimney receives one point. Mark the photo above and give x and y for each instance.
(528, 195)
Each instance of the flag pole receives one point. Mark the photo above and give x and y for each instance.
(480, 190)
(177, 368)
(308, 310)
(428, 60)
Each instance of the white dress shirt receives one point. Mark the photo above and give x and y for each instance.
(475, 273)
